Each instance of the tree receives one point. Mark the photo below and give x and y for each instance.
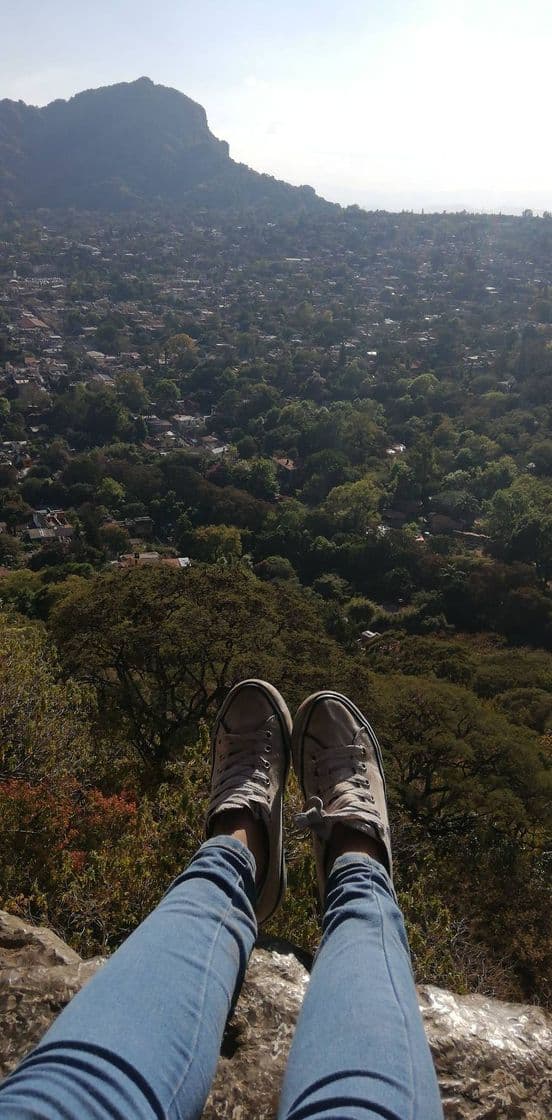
(506, 510)
(532, 540)
(275, 567)
(44, 722)
(423, 462)
(541, 454)
(353, 507)
(166, 392)
(111, 493)
(216, 542)
(11, 551)
(162, 646)
(179, 345)
(14, 510)
(495, 476)
(360, 611)
(331, 465)
(454, 759)
(8, 476)
(332, 587)
(458, 504)
(86, 469)
(105, 418)
(114, 538)
(56, 455)
(247, 448)
(130, 388)
(262, 481)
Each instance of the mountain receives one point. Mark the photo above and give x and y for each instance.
(126, 146)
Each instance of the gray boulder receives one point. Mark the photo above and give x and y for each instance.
(493, 1059)
(39, 974)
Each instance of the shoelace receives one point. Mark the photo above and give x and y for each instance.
(344, 772)
(342, 777)
(243, 770)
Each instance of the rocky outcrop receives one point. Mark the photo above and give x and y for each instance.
(493, 1059)
(39, 974)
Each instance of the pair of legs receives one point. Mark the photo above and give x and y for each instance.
(142, 1039)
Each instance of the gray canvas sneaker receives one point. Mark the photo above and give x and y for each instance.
(338, 762)
(250, 761)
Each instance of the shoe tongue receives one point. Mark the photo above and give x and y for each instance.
(333, 725)
(256, 726)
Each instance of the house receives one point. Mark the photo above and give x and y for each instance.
(147, 559)
(285, 464)
(28, 322)
(176, 561)
(187, 423)
(50, 524)
(136, 559)
(368, 637)
(157, 427)
(36, 536)
(141, 527)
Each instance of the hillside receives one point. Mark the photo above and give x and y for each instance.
(123, 147)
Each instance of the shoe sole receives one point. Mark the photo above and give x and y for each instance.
(300, 723)
(286, 724)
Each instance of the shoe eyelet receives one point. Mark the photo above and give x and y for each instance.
(268, 734)
(265, 763)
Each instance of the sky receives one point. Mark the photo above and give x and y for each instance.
(399, 104)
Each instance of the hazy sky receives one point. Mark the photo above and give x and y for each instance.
(396, 103)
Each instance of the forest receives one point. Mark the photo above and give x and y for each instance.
(316, 450)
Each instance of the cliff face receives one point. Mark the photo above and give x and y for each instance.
(123, 146)
(493, 1059)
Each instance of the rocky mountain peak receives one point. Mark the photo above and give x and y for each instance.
(127, 146)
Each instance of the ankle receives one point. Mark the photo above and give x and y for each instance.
(243, 826)
(345, 840)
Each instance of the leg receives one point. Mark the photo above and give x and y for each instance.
(142, 1039)
(360, 1050)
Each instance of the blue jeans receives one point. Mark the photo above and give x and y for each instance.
(141, 1041)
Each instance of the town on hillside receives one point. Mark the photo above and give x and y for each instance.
(393, 369)
(315, 447)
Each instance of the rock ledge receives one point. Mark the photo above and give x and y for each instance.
(493, 1059)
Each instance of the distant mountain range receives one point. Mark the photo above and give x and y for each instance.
(127, 146)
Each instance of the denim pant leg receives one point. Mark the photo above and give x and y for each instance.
(142, 1039)
(359, 1050)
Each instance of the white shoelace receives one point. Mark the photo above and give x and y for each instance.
(342, 784)
(243, 767)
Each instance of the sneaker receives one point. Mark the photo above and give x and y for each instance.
(338, 762)
(250, 761)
